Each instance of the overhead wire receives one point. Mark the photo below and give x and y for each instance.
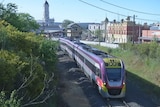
(115, 12)
(101, 8)
(130, 9)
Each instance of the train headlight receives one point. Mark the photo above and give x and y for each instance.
(104, 87)
(124, 83)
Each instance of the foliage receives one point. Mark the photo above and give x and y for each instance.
(153, 49)
(66, 22)
(48, 53)
(35, 74)
(10, 66)
(8, 13)
(144, 50)
(26, 22)
(158, 53)
(27, 64)
(22, 21)
(12, 101)
(98, 34)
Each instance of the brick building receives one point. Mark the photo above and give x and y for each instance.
(123, 32)
(150, 35)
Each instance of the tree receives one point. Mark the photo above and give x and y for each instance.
(10, 66)
(12, 101)
(98, 34)
(48, 55)
(21, 65)
(8, 13)
(26, 23)
(65, 23)
(22, 21)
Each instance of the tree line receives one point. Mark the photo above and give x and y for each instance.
(27, 60)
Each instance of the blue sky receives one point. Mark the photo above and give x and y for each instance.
(78, 11)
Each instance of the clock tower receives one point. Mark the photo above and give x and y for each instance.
(46, 12)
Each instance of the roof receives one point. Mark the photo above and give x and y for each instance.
(70, 25)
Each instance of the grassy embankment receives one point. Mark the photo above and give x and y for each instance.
(143, 69)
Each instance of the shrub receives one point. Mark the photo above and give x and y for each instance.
(143, 50)
(12, 101)
(153, 49)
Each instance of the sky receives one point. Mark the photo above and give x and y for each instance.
(91, 10)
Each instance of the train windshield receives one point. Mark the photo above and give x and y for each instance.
(113, 74)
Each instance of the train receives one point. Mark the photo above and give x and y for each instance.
(105, 71)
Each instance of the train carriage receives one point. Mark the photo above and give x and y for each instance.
(106, 71)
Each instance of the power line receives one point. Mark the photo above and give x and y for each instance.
(115, 12)
(101, 8)
(130, 9)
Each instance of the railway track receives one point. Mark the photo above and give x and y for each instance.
(116, 103)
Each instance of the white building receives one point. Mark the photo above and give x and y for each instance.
(94, 26)
(155, 26)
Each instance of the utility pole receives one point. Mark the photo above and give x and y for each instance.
(133, 36)
(105, 31)
(139, 31)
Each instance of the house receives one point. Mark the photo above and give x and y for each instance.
(94, 26)
(74, 31)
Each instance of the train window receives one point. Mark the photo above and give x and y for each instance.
(97, 72)
(92, 67)
(89, 65)
(80, 56)
(63, 44)
(113, 74)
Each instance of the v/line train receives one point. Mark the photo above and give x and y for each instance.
(106, 71)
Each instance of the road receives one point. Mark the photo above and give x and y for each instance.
(75, 89)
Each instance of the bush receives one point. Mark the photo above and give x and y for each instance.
(153, 49)
(27, 63)
(10, 66)
(143, 50)
(12, 101)
(158, 53)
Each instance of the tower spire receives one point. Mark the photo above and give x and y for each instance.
(46, 12)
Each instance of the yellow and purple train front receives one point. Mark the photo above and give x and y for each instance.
(112, 84)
